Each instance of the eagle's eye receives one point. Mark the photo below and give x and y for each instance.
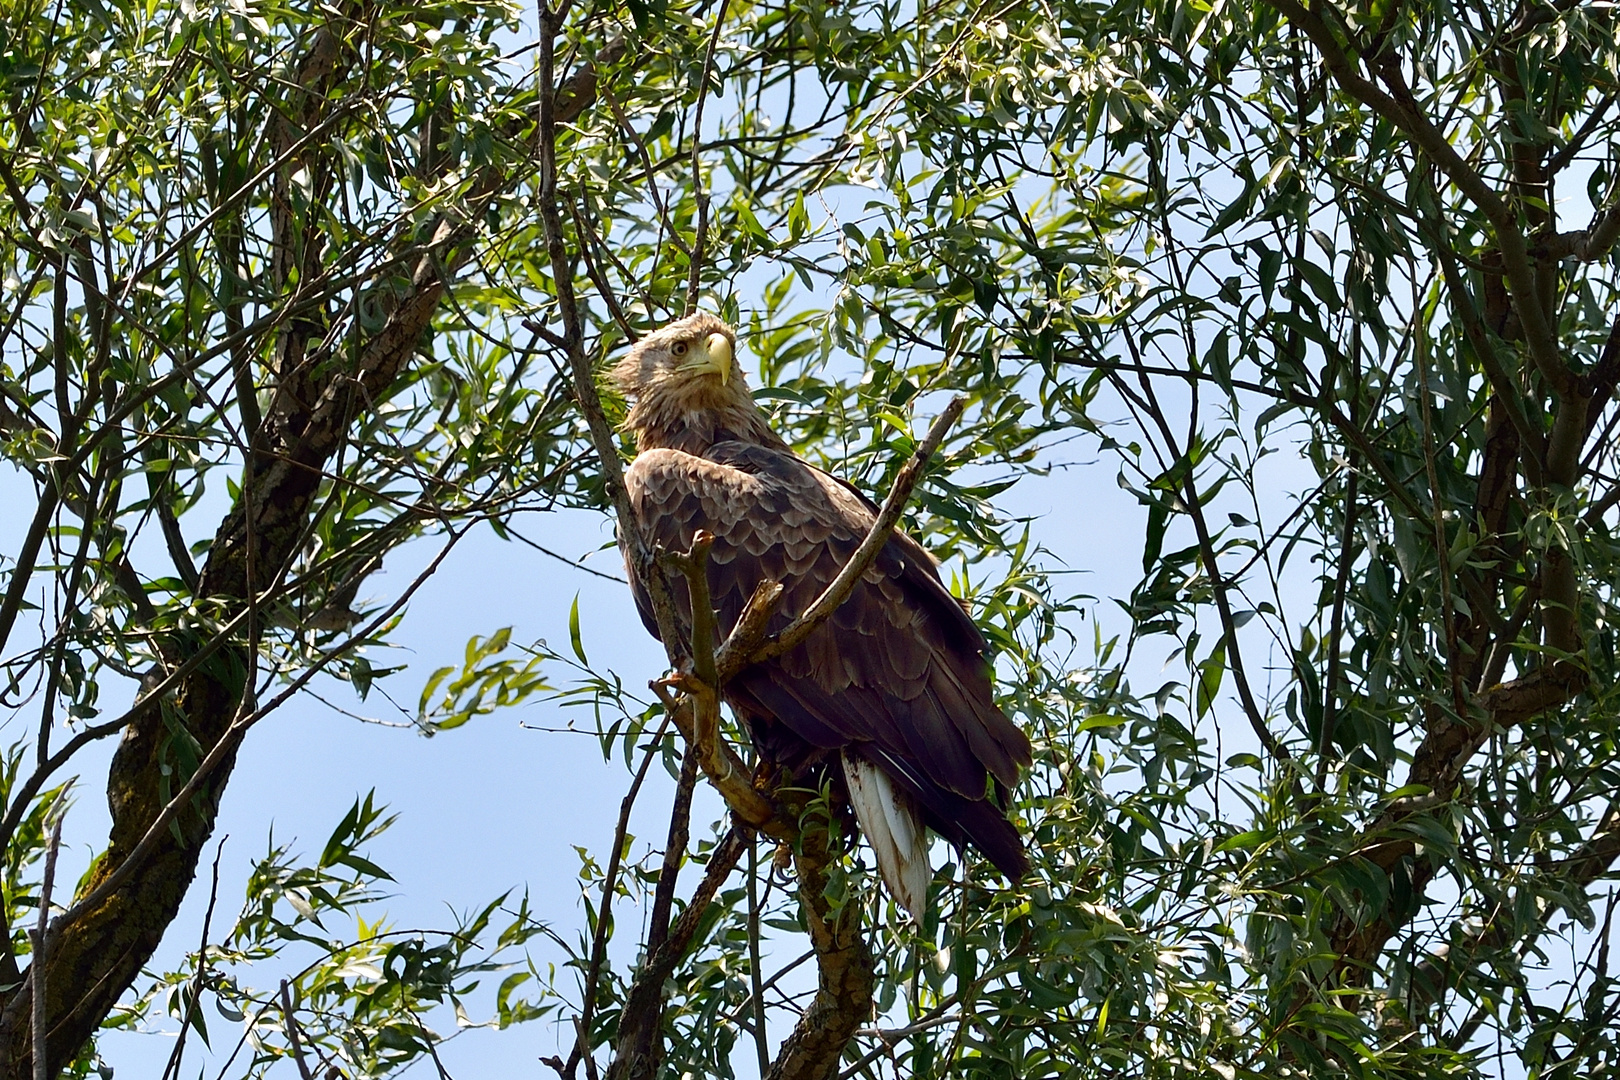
(680, 348)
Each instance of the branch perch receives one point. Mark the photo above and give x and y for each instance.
(698, 715)
(846, 965)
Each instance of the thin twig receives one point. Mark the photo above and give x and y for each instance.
(755, 976)
(589, 239)
(187, 1020)
(292, 1032)
(1220, 585)
(226, 745)
(1442, 549)
(700, 237)
(668, 229)
(931, 1019)
(604, 920)
(783, 972)
(1330, 688)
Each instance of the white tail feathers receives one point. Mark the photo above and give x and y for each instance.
(895, 830)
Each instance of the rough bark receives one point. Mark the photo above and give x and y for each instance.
(845, 973)
(638, 1050)
(1519, 303)
(93, 960)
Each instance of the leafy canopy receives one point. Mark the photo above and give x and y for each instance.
(1328, 289)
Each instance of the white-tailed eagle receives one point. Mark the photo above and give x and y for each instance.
(895, 685)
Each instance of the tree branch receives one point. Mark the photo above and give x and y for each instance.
(638, 1049)
(1401, 110)
(725, 770)
(1219, 585)
(1584, 245)
(604, 909)
(293, 1041)
(1576, 873)
(844, 968)
(680, 817)
(1502, 383)
(701, 233)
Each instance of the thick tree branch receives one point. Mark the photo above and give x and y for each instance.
(1584, 245)
(730, 776)
(103, 944)
(1573, 874)
(1400, 108)
(844, 968)
(1447, 746)
(1600, 380)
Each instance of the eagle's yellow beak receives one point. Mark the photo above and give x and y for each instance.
(712, 354)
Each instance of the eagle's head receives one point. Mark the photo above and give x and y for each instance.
(692, 358)
(687, 384)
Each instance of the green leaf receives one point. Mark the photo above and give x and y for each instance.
(1158, 518)
(1210, 673)
(1092, 723)
(573, 632)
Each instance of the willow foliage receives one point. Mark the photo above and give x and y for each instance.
(1323, 790)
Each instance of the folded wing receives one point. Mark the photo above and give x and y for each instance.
(897, 680)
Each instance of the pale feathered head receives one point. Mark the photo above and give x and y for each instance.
(685, 379)
(694, 356)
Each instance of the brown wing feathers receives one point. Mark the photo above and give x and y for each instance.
(897, 675)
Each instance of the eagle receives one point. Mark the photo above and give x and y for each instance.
(890, 698)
